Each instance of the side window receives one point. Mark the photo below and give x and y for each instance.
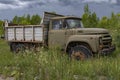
(56, 24)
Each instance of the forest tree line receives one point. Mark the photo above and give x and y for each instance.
(89, 19)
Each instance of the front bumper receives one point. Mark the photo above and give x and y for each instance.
(108, 50)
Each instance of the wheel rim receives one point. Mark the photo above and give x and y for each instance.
(20, 48)
(17, 50)
(78, 55)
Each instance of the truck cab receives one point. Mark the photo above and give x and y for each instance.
(69, 34)
(61, 28)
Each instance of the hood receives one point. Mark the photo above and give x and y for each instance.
(92, 30)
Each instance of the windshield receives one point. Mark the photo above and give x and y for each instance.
(74, 23)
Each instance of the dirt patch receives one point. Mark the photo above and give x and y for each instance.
(6, 78)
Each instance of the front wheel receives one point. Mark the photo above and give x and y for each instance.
(80, 52)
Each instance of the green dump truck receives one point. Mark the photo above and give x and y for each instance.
(67, 32)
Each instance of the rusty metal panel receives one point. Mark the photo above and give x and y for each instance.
(19, 34)
(10, 34)
(47, 16)
(38, 33)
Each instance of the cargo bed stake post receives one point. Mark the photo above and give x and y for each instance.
(6, 23)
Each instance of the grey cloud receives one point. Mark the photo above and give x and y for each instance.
(65, 2)
(118, 2)
(19, 4)
(54, 2)
(70, 2)
(35, 4)
(7, 2)
(32, 3)
(26, 0)
(66, 7)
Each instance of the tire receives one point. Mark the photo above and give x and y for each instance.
(16, 48)
(80, 52)
(13, 47)
(20, 48)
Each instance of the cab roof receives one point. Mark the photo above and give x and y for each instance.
(66, 17)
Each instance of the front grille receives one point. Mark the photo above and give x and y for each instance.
(106, 40)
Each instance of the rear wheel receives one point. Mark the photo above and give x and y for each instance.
(20, 48)
(16, 47)
(80, 52)
(12, 47)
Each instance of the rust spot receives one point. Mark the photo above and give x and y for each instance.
(78, 55)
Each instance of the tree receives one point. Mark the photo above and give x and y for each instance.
(118, 21)
(25, 20)
(94, 20)
(15, 20)
(85, 16)
(86, 10)
(89, 19)
(28, 18)
(1, 28)
(103, 23)
(35, 19)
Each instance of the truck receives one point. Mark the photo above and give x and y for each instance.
(67, 32)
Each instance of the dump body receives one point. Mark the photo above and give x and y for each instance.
(28, 33)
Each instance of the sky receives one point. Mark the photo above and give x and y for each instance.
(11, 8)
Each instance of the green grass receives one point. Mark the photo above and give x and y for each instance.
(55, 65)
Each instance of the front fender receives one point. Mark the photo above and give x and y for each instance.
(91, 40)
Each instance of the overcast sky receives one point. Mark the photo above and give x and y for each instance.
(10, 8)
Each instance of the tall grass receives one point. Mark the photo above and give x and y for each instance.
(55, 65)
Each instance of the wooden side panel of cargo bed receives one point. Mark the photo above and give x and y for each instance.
(38, 34)
(24, 34)
(19, 34)
(10, 34)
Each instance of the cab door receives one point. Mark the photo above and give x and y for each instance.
(57, 33)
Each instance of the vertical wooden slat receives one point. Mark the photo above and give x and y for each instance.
(14, 33)
(33, 33)
(6, 33)
(23, 35)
